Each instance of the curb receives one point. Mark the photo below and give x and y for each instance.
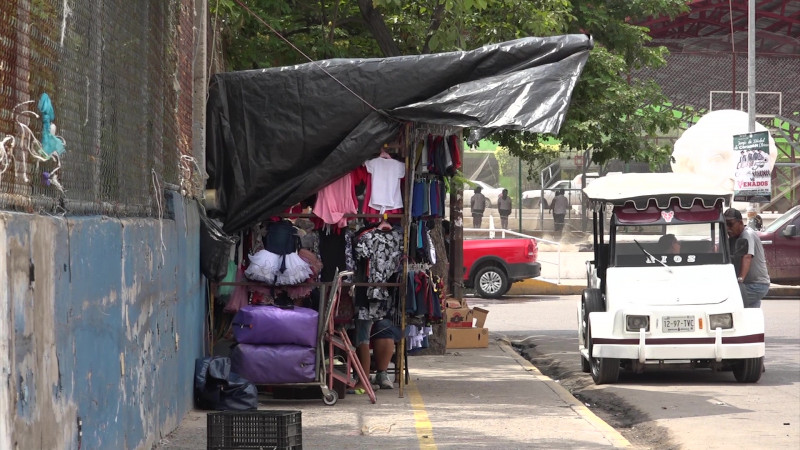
(609, 432)
(783, 292)
(538, 286)
(535, 286)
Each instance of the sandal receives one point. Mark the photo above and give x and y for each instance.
(358, 391)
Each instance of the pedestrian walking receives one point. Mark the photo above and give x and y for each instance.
(477, 204)
(558, 208)
(504, 208)
(751, 270)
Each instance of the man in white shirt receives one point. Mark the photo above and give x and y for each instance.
(477, 204)
(559, 207)
(504, 208)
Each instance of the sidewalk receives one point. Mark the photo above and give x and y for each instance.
(467, 398)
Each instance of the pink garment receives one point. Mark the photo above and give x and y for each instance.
(335, 200)
(240, 294)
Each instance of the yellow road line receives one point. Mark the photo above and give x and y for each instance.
(421, 421)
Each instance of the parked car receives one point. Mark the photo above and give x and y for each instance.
(781, 241)
(489, 191)
(492, 265)
(646, 305)
(543, 197)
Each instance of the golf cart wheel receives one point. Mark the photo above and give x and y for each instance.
(591, 301)
(604, 370)
(748, 370)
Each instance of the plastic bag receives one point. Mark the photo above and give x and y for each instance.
(217, 388)
(215, 249)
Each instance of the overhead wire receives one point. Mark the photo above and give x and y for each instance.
(274, 31)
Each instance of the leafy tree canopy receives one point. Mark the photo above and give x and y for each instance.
(611, 112)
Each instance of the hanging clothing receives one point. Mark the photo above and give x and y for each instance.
(419, 202)
(382, 251)
(336, 252)
(278, 270)
(362, 177)
(386, 175)
(455, 150)
(335, 200)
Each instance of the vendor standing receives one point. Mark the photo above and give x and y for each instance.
(751, 271)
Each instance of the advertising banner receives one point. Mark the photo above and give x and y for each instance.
(752, 182)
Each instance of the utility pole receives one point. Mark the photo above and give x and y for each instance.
(751, 77)
(751, 66)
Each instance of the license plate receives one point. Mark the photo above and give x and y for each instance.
(676, 324)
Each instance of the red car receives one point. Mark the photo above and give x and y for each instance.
(492, 265)
(781, 241)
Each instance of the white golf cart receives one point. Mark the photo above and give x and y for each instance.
(647, 306)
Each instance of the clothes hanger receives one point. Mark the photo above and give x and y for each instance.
(384, 225)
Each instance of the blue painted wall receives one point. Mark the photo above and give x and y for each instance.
(102, 324)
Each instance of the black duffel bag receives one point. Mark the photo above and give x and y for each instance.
(217, 388)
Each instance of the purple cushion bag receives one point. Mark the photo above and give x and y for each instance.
(273, 325)
(273, 364)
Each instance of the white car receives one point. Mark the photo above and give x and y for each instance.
(543, 197)
(647, 305)
(489, 191)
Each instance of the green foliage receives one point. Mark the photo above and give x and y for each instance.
(610, 113)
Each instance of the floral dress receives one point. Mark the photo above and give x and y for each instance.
(383, 250)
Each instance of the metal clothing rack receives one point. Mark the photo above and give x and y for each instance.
(409, 136)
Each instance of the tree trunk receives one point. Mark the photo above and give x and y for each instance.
(376, 26)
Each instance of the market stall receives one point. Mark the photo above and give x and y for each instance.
(280, 139)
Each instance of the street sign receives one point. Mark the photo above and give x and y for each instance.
(753, 178)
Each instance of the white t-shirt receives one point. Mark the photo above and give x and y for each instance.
(386, 175)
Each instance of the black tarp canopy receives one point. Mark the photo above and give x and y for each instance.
(277, 136)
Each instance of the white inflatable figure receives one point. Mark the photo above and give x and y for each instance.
(706, 148)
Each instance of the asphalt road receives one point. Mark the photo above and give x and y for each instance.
(680, 409)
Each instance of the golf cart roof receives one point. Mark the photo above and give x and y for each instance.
(643, 188)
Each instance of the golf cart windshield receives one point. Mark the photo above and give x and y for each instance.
(674, 236)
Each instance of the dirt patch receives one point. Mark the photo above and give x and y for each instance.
(636, 426)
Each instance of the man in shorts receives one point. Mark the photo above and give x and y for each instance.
(383, 335)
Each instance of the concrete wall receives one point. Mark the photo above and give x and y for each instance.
(99, 324)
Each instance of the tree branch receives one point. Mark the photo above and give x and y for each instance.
(436, 22)
(378, 28)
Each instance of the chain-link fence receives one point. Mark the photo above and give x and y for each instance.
(118, 75)
(699, 82)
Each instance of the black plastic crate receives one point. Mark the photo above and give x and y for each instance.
(259, 429)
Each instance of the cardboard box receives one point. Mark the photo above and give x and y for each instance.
(479, 314)
(458, 316)
(455, 303)
(467, 338)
